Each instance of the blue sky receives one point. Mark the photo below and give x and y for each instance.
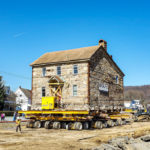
(30, 28)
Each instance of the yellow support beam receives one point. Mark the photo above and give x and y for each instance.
(56, 83)
(55, 112)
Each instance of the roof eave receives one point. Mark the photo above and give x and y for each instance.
(60, 62)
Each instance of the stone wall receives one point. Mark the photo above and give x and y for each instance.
(68, 100)
(103, 71)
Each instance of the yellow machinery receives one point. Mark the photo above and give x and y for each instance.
(52, 117)
(48, 103)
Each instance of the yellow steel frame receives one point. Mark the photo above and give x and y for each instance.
(78, 112)
(53, 118)
(117, 116)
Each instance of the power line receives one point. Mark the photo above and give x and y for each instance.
(15, 75)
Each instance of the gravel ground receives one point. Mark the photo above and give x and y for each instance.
(31, 139)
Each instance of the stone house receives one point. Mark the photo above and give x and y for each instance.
(23, 98)
(88, 76)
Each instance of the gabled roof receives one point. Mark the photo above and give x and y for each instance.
(67, 55)
(55, 78)
(26, 92)
(73, 55)
(11, 96)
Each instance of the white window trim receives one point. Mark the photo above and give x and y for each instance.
(73, 90)
(77, 69)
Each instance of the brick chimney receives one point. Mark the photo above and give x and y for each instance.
(103, 43)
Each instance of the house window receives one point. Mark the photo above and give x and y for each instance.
(7, 90)
(117, 80)
(74, 90)
(44, 72)
(58, 70)
(43, 92)
(75, 69)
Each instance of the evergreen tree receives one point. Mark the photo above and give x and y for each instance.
(2, 93)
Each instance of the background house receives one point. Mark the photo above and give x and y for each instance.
(23, 98)
(10, 99)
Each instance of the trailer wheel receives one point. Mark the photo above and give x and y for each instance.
(110, 123)
(116, 123)
(56, 125)
(98, 125)
(30, 124)
(69, 126)
(27, 124)
(124, 122)
(86, 125)
(120, 122)
(37, 124)
(47, 125)
(63, 125)
(105, 125)
(78, 126)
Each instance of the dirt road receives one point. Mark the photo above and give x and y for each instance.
(42, 139)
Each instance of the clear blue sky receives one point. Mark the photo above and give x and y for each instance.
(29, 28)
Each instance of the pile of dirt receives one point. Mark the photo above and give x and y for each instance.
(126, 143)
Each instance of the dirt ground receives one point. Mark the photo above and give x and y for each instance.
(42, 139)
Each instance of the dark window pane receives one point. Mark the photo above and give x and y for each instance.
(43, 91)
(43, 72)
(58, 70)
(75, 69)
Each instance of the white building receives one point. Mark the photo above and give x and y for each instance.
(136, 104)
(127, 103)
(23, 99)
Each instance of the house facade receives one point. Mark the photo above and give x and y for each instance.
(84, 78)
(23, 98)
(10, 99)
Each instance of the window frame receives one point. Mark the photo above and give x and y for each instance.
(75, 90)
(59, 70)
(43, 88)
(75, 69)
(43, 71)
(117, 79)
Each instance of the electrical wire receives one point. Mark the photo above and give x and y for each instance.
(15, 75)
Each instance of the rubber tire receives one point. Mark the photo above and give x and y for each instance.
(124, 122)
(98, 125)
(63, 125)
(56, 125)
(105, 125)
(86, 125)
(116, 123)
(47, 125)
(27, 124)
(78, 126)
(37, 124)
(110, 123)
(119, 122)
(30, 124)
(69, 126)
